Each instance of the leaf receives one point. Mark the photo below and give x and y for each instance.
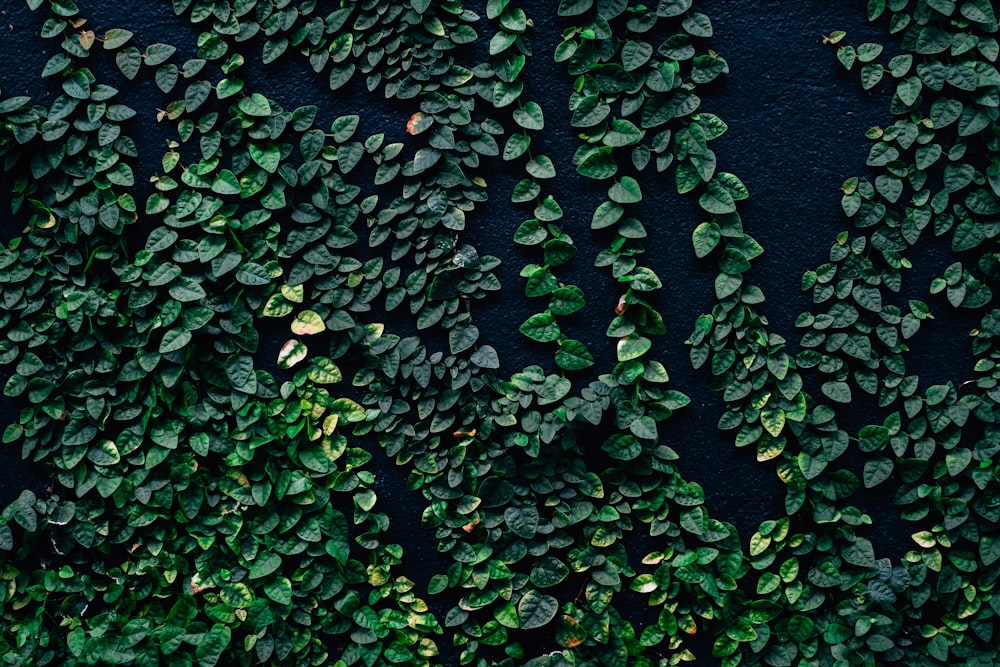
(536, 609)
(129, 61)
(705, 238)
(632, 347)
(255, 105)
(698, 25)
(485, 357)
(291, 353)
(529, 116)
(174, 339)
(425, 158)
(566, 300)
(773, 420)
(635, 54)
(462, 338)
(522, 521)
(308, 322)
(267, 156)
(116, 38)
(599, 164)
(623, 447)
(157, 54)
(548, 571)
(541, 327)
(213, 644)
(877, 471)
(104, 453)
(908, 90)
(573, 355)
(625, 191)
(717, 200)
(837, 391)
(226, 183)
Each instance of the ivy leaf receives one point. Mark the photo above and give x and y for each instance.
(536, 609)
(529, 116)
(308, 322)
(566, 300)
(255, 105)
(633, 347)
(226, 183)
(773, 420)
(837, 391)
(485, 357)
(462, 338)
(291, 353)
(623, 447)
(116, 38)
(717, 200)
(625, 191)
(573, 355)
(174, 339)
(213, 644)
(541, 327)
(425, 158)
(877, 471)
(267, 156)
(705, 238)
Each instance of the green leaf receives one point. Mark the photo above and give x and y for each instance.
(157, 54)
(717, 200)
(425, 158)
(462, 338)
(537, 609)
(625, 191)
(599, 164)
(255, 105)
(698, 25)
(548, 571)
(989, 549)
(186, 289)
(877, 471)
(635, 54)
(979, 11)
(116, 38)
(773, 420)
(308, 322)
(541, 167)
(566, 300)
(837, 391)
(530, 116)
(174, 339)
(226, 183)
(908, 90)
(623, 447)
(574, 7)
(607, 214)
(104, 453)
(541, 327)
(522, 521)
(705, 238)
(485, 357)
(213, 644)
(633, 347)
(573, 355)
(267, 156)
(291, 353)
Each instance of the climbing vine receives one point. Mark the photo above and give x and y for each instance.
(216, 491)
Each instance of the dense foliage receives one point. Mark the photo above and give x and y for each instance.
(210, 507)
